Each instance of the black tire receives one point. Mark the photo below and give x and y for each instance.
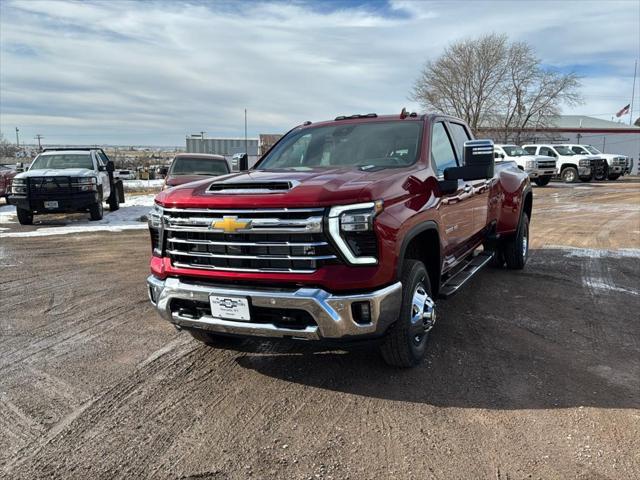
(114, 200)
(516, 248)
(25, 217)
(542, 181)
(212, 339)
(405, 343)
(613, 176)
(569, 175)
(96, 211)
(601, 174)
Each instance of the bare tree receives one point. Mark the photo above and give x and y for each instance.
(492, 83)
(7, 149)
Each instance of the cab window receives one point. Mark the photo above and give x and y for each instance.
(530, 150)
(442, 154)
(579, 150)
(459, 135)
(547, 152)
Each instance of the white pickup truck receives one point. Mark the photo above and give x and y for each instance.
(539, 167)
(570, 166)
(616, 164)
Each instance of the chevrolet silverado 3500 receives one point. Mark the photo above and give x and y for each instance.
(344, 230)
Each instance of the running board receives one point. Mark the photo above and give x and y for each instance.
(473, 266)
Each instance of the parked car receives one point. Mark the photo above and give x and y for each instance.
(66, 180)
(570, 166)
(539, 168)
(346, 230)
(188, 167)
(616, 164)
(161, 172)
(125, 174)
(6, 176)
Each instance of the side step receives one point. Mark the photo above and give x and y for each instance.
(453, 284)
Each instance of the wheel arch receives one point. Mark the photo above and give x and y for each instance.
(422, 242)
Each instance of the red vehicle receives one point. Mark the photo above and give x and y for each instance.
(6, 175)
(188, 167)
(345, 230)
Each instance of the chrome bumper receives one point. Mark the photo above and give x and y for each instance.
(540, 172)
(331, 313)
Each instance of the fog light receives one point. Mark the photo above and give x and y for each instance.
(361, 312)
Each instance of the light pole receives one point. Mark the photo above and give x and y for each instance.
(17, 137)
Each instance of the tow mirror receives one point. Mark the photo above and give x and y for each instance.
(19, 167)
(243, 163)
(478, 162)
(110, 166)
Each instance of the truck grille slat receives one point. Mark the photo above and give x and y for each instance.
(269, 240)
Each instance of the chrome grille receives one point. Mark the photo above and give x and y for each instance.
(260, 240)
(546, 164)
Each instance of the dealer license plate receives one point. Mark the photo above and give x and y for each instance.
(51, 204)
(230, 308)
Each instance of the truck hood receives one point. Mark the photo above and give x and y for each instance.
(58, 172)
(282, 188)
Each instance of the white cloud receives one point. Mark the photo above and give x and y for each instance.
(140, 73)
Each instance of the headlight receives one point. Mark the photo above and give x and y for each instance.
(85, 184)
(19, 186)
(531, 164)
(156, 230)
(351, 228)
(155, 217)
(585, 162)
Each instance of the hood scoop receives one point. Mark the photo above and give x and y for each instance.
(251, 188)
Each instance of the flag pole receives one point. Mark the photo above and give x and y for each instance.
(633, 91)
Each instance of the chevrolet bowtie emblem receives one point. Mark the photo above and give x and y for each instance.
(230, 224)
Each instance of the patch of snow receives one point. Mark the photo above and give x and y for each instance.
(7, 214)
(598, 284)
(142, 184)
(132, 215)
(596, 252)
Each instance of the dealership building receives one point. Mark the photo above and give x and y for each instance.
(606, 136)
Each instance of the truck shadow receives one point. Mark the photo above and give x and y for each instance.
(540, 338)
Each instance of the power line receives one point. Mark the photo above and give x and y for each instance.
(39, 137)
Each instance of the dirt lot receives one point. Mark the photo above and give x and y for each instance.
(532, 374)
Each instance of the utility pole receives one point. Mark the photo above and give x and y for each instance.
(246, 148)
(633, 91)
(17, 137)
(39, 137)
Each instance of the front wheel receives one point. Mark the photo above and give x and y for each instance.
(114, 200)
(96, 211)
(542, 181)
(406, 342)
(569, 175)
(516, 248)
(25, 217)
(601, 174)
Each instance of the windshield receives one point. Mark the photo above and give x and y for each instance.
(371, 144)
(562, 150)
(198, 166)
(593, 150)
(63, 160)
(514, 151)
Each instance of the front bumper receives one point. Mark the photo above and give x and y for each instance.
(66, 203)
(332, 315)
(540, 172)
(584, 171)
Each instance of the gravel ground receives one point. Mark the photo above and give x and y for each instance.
(532, 374)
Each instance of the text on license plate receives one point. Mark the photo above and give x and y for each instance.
(51, 204)
(230, 308)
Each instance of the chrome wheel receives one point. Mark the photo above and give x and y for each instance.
(525, 243)
(423, 313)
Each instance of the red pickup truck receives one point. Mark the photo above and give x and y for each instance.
(344, 230)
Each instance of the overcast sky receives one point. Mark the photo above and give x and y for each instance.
(134, 73)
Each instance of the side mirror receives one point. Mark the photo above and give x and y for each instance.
(19, 167)
(478, 162)
(243, 163)
(110, 166)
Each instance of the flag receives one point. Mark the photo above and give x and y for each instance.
(623, 110)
